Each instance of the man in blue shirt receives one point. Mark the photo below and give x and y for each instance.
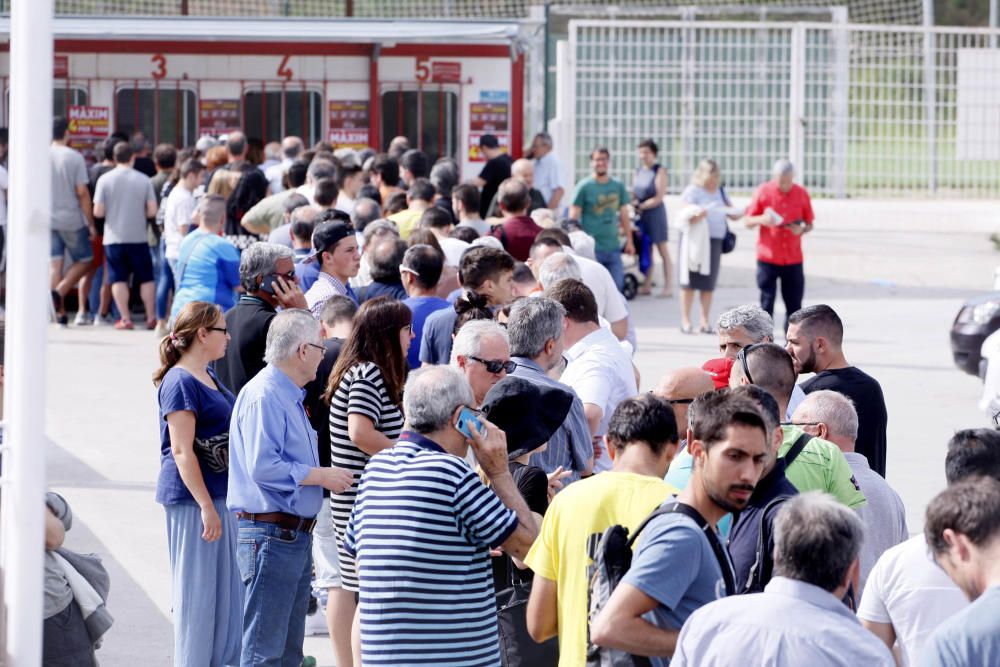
(535, 328)
(420, 273)
(799, 619)
(963, 532)
(276, 488)
(676, 568)
(208, 266)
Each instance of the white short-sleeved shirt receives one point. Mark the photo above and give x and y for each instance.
(548, 175)
(907, 589)
(453, 249)
(600, 372)
(180, 206)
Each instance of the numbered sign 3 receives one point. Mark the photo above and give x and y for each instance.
(160, 61)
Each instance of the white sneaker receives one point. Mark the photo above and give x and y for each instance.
(82, 318)
(103, 321)
(316, 623)
(162, 329)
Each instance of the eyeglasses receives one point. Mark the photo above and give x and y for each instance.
(318, 347)
(496, 365)
(224, 330)
(801, 423)
(287, 276)
(679, 401)
(406, 269)
(741, 357)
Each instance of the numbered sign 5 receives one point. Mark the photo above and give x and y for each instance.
(160, 61)
(423, 69)
(284, 71)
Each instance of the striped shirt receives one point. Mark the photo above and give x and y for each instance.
(361, 391)
(422, 528)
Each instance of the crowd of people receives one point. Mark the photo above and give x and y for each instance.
(393, 402)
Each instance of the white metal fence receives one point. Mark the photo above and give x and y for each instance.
(862, 110)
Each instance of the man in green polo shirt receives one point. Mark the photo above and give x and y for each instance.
(600, 204)
(820, 465)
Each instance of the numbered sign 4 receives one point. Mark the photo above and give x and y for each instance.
(284, 70)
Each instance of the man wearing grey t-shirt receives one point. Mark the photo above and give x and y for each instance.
(125, 199)
(72, 220)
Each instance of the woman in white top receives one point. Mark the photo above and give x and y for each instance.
(706, 193)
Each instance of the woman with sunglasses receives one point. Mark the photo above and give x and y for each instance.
(201, 534)
(365, 396)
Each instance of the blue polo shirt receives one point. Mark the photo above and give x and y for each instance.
(421, 307)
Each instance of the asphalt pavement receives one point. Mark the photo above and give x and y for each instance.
(896, 271)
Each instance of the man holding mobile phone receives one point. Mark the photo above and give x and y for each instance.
(423, 526)
(783, 212)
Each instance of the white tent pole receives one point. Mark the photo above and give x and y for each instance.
(22, 526)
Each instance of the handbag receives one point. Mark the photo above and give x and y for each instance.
(214, 451)
(517, 648)
(729, 241)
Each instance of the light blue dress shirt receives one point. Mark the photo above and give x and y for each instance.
(790, 624)
(272, 448)
(570, 446)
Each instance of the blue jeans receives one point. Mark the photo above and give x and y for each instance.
(164, 282)
(276, 568)
(612, 261)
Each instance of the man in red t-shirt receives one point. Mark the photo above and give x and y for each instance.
(517, 232)
(784, 213)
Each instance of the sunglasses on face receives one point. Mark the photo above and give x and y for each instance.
(741, 357)
(496, 365)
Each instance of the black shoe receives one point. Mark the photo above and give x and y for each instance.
(57, 301)
(63, 320)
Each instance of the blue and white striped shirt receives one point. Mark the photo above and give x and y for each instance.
(422, 528)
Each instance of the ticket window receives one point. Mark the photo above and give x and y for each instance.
(271, 115)
(163, 115)
(427, 116)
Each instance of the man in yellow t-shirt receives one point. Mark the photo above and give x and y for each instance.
(419, 198)
(642, 439)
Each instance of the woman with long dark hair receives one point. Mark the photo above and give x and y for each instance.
(195, 409)
(365, 394)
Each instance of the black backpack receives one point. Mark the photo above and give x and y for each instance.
(613, 560)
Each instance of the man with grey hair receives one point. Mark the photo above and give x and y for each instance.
(267, 275)
(374, 231)
(783, 212)
(276, 489)
(365, 211)
(423, 527)
(208, 266)
(522, 171)
(830, 415)
(747, 325)
(291, 147)
(817, 542)
(556, 267)
(318, 169)
(535, 329)
(482, 352)
(548, 174)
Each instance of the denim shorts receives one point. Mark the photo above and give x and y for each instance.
(76, 241)
(125, 259)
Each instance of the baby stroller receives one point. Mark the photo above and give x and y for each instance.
(636, 266)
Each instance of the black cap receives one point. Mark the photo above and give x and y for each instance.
(528, 413)
(327, 235)
(489, 141)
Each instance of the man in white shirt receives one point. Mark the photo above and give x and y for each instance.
(350, 178)
(908, 596)
(291, 147)
(548, 175)
(610, 303)
(179, 208)
(438, 221)
(599, 370)
(830, 415)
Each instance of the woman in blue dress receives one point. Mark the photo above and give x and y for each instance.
(649, 187)
(195, 409)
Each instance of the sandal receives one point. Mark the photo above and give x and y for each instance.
(687, 329)
(706, 330)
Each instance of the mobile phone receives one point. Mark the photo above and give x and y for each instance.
(267, 284)
(467, 421)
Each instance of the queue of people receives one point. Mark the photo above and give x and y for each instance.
(381, 403)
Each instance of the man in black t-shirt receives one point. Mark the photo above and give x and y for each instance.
(815, 341)
(495, 171)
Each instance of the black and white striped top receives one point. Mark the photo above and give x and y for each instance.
(422, 528)
(361, 391)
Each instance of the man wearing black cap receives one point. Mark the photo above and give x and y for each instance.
(335, 248)
(495, 171)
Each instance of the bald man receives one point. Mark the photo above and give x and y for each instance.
(679, 388)
(524, 171)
